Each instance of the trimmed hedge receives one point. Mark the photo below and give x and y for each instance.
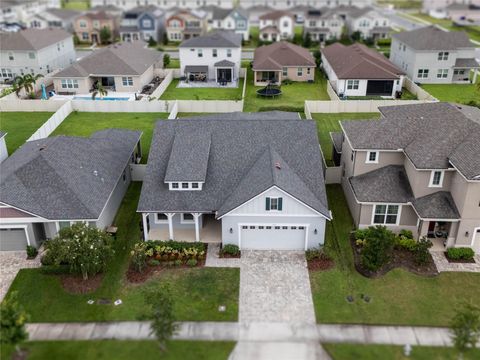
(231, 249)
(175, 245)
(460, 253)
(281, 108)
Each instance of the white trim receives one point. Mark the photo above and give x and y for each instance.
(145, 228)
(473, 235)
(432, 175)
(399, 213)
(306, 226)
(156, 221)
(275, 214)
(367, 159)
(183, 221)
(24, 227)
(189, 188)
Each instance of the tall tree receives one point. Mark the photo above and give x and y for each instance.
(465, 328)
(13, 319)
(105, 35)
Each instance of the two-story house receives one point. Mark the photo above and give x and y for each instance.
(88, 26)
(254, 180)
(277, 25)
(164, 4)
(213, 59)
(22, 12)
(322, 25)
(430, 55)
(434, 7)
(185, 24)
(142, 23)
(288, 4)
(367, 22)
(230, 19)
(35, 51)
(58, 18)
(417, 168)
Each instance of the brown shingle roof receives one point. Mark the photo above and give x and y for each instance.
(281, 54)
(359, 62)
(275, 15)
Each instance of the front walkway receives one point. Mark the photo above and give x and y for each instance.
(442, 263)
(10, 264)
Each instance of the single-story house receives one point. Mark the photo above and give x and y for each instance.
(282, 60)
(124, 67)
(357, 70)
(49, 184)
(253, 180)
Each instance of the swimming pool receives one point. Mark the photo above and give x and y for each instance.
(99, 98)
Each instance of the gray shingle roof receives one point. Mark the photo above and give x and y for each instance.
(243, 148)
(439, 205)
(63, 14)
(433, 38)
(224, 63)
(388, 184)
(32, 39)
(216, 39)
(126, 58)
(466, 63)
(66, 178)
(431, 135)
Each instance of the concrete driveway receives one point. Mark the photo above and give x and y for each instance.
(10, 263)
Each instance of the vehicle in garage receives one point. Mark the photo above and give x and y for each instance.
(49, 184)
(253, 180)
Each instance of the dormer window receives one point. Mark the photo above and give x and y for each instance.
(372, 157)
(436, 178)
(273, 203)
(185, 186)
(194, 185)
(174, 185)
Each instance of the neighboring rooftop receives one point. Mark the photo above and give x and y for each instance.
(98, 15)
(359, 62)
(32, 39)
(67, 178)
(432, 135)
(126, 58)
(216, 39)
(281, 54)
(275, 15)
(63, 14)
(247, 154)
(433, 38)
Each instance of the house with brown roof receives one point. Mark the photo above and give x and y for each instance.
(277, 25)
(88, 26)
(417, 168)
(280, 61)
(357, 70)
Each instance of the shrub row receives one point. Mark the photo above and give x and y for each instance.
(460, 253)
(230, 249)
(281, 108)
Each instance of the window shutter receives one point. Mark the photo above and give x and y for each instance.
(280, 201)
(267, 203)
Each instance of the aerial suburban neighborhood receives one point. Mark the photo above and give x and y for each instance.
(240, 179)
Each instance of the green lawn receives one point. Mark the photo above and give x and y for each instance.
(76, 4)
(20, 126)
(329, 122)
(124, 350)
(293, 95)
(174, 64)
(460, 93)
(86, 123)
(254, 38)
(174, 93)
(399, 297)
(196, 292)
(390, 352)
(472, 31)
(401, 4)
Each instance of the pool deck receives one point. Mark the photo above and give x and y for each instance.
(111, 96)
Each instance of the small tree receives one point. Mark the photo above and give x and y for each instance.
(166, 60)
(105, 35)
(356, 36)
(152, 42)
(160, 314)
(465, 328)
(378, 247)
(99, 90)
(13, 319)
(139, 257)
(165, 39)
(307, 41)
(421, 253)
(318, 57)
(85, 249)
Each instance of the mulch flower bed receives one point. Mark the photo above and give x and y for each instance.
(400, 258)
(75, 284)
(321, 263)
(459, 261)
(228, 256)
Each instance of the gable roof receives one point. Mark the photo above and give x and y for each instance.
(241, 162)
(432, 135)
(126, 58)
(32, 39)
(63, 14)
(281, 54)
(359, 62)
(66, 178)
(98, 15)
(433, 38)
(275, 15)
(439, 205)
(216, 39)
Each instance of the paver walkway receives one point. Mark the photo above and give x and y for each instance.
(442, 263)
(213, 260)
(10, 263)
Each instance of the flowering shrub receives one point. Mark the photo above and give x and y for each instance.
(174, 250)
(86, 250)
(139, 256)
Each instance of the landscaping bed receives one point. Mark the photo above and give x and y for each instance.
(318, 260)
(460, 255)
(230, 251)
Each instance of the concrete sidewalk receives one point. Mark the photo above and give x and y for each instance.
(248, 332)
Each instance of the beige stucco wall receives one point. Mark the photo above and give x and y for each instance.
(84, 85)
(420, 179)
(384, 158)
(291, 75)
(138, 81)
(353, 206)
(408, 218)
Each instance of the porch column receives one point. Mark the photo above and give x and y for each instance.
(216, 74)
(145, 228)
(170, 225)
(196, 216)
(475, 72)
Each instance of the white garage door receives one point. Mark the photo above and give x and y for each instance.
(476, 241)
(13, 239)
(272, 237)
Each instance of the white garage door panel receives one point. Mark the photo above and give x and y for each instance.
(272, 237)
(13, 239)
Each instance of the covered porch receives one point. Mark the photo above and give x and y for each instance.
(262, 78)
(462, 71)
(441, 233)
(107, 82)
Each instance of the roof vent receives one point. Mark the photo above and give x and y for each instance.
(95, 172)
(277, 165)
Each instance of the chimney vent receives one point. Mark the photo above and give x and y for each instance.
(277, 165)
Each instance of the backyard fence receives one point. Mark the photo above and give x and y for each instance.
(417, 90)
(138, 171)
(168, 77)
(210, 106)
(122, 106)
(12, 103)
(333, 175)
(53, 122)
(173, 114)
(333, 95)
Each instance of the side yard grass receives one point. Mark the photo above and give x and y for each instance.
(20, 126)
(460, 93)
(76, 4)
(86, 123)
(123, 350)
(399, 297)
(175, 93)
(196, 292)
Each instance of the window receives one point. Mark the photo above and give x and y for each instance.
(372, 157)
(442, 73)
(404, 48)
(312, 23)
(187, 218)
(127, 81)
(300, 72)
(174, 185)
(7, 73)
(285, 71)
(241, 24)
(200, 53)
(63, 224)
(124, 176)
(31, 55)
(308, 71)
(286, 24)
(10, 56)
(96, 24)
(458, 72)
(194, 185)
(422, 73)
(436, 178)
(386, 214)
(161, 217)
(353, 84)
(214, 52)
(84, 36)
(229, 52)
(184, 185)
(244, 227)
(443, 55)
(252, 227)
(82, 24)
(147, 23)
(69, 84)
(273, 203)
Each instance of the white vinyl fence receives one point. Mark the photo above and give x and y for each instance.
(333, 175)
(333, 95)
(164, 85)
(122, 106)
(138, 171)
(53, 122)
(173, 114)
(417, 90)
(12, 103)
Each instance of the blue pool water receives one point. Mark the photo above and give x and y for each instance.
(99, 98)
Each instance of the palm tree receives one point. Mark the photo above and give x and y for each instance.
(26, 82)
(99, 90)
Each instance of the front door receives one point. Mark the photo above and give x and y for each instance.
(94, 38)
(224, 75)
